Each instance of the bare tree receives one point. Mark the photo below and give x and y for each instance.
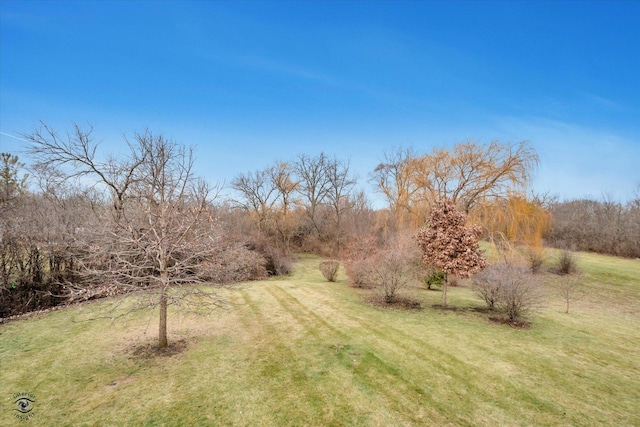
(284, 216)
(258, 194)
(571, 290)
(394, 179)
(157, 232)
(313, 185)
(450, 244)
(341, 182)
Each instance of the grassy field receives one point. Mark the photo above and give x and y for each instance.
(300, 351)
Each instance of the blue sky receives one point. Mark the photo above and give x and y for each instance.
(250, 83)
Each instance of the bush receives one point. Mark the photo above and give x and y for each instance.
(520, 292)
(388, 269)
(435, 278)
(535, 258)
(329, 269)
(278, 263)
(359, 271)
(567, 262)
(487, 284)
(510, 288)
(234, 264)
(390, 272)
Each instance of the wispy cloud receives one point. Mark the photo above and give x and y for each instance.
(578, 161)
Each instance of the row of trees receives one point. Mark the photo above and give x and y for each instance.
(103, 224)
(603, 226)
(139, 222)
(309, 203)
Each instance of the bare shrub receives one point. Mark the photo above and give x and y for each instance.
(234, 264)
(329, 269)
(356, 258)
(278, 262)
(536, 258)
(567, 262)
(487, 284)
(359, 271)
(510, 288)
(390, 272)
(392, 267)
(520, 291)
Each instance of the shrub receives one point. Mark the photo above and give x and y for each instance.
(390, 272)
(329, 269)
(535, 258)
(436, 277)
(510, 288)
(487, 284)
(567, 262)
(359, 271)
(393, 267)
(388, 269)
(234, 264)
(356, 258)
(520, 292)
(278, 263)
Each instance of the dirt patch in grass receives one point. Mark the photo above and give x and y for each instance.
(517, 324)
(119, 382)
(150, 350)
(399, 303)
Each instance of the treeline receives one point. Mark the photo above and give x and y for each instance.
(89, 226)
(602, 226)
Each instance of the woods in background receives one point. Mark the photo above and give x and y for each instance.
(90, 224)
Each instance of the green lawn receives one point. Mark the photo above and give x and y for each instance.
(300, 351)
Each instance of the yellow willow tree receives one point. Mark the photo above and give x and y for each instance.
(468, 174)
(515, 220)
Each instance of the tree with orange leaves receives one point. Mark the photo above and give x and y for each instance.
(450, 244)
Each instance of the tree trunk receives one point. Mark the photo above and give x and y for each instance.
(162, 332)
(444, 291)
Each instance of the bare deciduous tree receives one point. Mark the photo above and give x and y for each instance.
(341, 182)
(570, 290)
(313, 185)
(258, 194)
(157, 233)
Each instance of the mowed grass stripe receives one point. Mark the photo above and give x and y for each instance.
(301, 351)
(402, 395)
(312, 364)
(472, 380)
(396, 350)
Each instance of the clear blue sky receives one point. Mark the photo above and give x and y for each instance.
(249, 83)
